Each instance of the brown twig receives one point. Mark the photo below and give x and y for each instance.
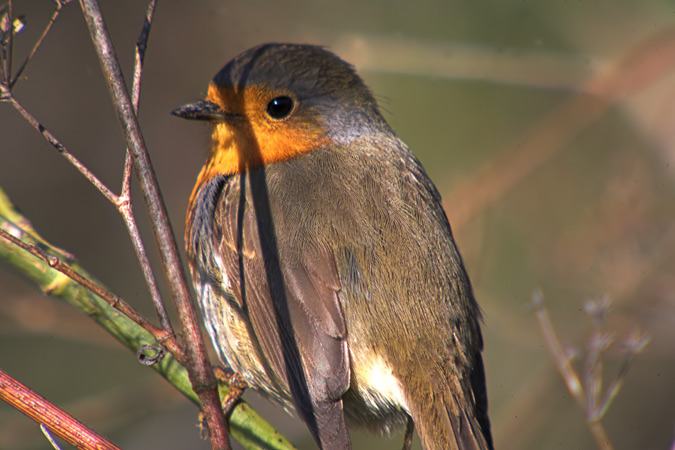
(56, 420)
(6, 95)
(199, 369)
(141, 47)
(93, 179)
(123, 203)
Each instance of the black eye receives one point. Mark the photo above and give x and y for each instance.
(280, 107)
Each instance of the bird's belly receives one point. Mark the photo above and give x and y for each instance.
(230, 331)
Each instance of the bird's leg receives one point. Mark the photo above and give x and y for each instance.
(234, 382)
(236, 385)
(409, 430)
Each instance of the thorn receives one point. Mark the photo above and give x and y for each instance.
(145, 354)
(52, 260)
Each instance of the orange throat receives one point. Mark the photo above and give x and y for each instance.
(252, 141)
(238, 150)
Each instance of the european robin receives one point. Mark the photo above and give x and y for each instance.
(323, 261)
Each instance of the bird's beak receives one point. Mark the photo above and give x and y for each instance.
(204, 110)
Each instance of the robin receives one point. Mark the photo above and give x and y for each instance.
(323, 261)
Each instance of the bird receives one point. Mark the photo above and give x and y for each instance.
(323, 261)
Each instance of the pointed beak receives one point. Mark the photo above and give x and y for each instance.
(204, 110)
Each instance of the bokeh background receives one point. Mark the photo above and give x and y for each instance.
(555, 176)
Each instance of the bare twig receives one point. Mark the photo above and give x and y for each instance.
(59, 4)
(598, 343)
(141, 47)
(199, 370)
(589, 394)
(202, 376)
(93, 179)
(635, 343)
(555, 348)
(123, 202)
(55, 419)
(569, 375)
(125, 209)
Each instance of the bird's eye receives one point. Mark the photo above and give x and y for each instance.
(280, 107)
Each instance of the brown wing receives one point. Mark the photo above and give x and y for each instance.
(291, 297)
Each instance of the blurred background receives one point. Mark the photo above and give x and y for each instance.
(546, 125)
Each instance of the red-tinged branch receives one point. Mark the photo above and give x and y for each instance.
(56, 420)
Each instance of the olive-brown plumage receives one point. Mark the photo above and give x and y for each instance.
(323, 261)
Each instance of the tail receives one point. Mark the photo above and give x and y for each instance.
(451, 414)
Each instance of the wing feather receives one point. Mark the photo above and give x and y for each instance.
(291, 298)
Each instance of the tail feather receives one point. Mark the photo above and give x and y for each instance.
(479, 392)
(330, 431)
(443, 427)
(450, 418)
(451, 430)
